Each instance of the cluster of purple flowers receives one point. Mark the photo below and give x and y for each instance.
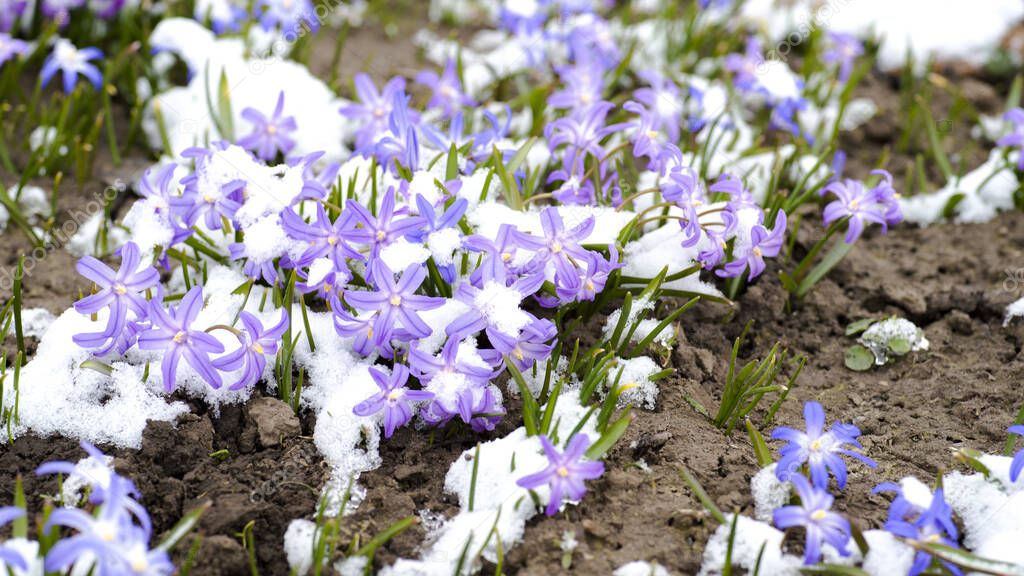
(292, 18)
(132, 320)
(59, 11)
(110, 531)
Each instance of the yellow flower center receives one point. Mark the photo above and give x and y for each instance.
(120, 289)
(818, 515)
(854, 203)
(556, 247)
(394, 395)
(209, 199)
(757, 251)
(563, 471)
(590, 285)
(652, 134)
(257, 348)
(395, 300)
(816, 445)
(180, 337)
(506, 256)
(381, 235)
(271, 129)
(332, 240)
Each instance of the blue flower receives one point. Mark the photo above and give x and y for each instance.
(255, 344)
(394, 398)
(819, 449)
(1017, 466)
(270, 135)
(174, 335)
(9, 556)
(814, 514)
(120, 291)
(933, 524)
(565, 472)
(71, 62)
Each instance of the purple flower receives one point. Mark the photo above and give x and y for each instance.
(558, 244)
(717, 239)
(456, 385)
(581, 133)
(933, 524)
(359, 328)
(499, 254)
(293, 17)
(255, 268)
(844, 49)
(1016, 136)
(394, 398)
(255, 344)
(572, 190)
(120, 291)
(784, 117)
(1017, 465)
(10, 11)
(532, 344)
(384, 228)
(592, 37)
(396, 301)
(9, 556)
(744, 67)
(10, 47)
(859, 205)
(210, 200)
(163, 191)
(685, 187)
(589, 281)
(269, 135)
(584, 84)
(565, 472)
(172, 333)
(814, 514)
(325, 238)
(818, 449)
(762, 243)
(401, 143)
(106, 9)
(60, 10)
(71, 62)
(111, 539)
(665, 103)
(648, 138)
(446, 89)
(373, 110)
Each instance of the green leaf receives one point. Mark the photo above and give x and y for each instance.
(19, 528)
(951, 204)
(899, 346)
(183, 527)
(764, 455)
(831, 259)
(968, 561)
(610, 437)
(833, 569)
(859, 358)
(859, 326)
